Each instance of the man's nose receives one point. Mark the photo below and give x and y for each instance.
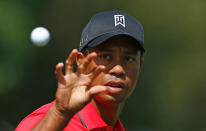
(117, 71)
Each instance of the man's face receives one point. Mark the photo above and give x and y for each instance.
(121, 57)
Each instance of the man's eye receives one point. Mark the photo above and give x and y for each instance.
(130, 59)
(106, 56)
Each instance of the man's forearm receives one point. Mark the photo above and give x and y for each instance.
(52, 121)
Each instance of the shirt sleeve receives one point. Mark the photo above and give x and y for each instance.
(29, 122)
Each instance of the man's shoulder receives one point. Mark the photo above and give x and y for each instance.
(32, 119)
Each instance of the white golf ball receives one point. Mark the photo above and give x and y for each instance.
(40, 36)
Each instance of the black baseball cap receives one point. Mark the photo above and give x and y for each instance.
(104, 25)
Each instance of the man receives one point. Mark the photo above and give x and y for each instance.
(108, 66)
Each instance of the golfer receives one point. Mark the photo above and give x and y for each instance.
(92, 97)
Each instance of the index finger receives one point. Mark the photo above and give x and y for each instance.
(70, 61)
(86, 61)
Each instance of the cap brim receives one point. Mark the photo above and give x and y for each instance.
(100, 39)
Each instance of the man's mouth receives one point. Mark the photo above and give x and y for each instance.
(115, 87)
(115, 84)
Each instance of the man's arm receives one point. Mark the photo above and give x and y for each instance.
(73, 91)
(53, 120)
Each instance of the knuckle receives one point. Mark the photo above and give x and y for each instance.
(86, 62)
(69, 67)
(98, 70)
(90, 58)
(67, 62)
(81, 67)
(90, 75)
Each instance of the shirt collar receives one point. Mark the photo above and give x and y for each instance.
(93, 120)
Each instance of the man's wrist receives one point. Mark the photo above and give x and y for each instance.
(64, 115)
(53, 120)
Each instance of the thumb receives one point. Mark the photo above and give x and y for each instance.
(97, 89)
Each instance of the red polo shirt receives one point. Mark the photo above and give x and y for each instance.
(89, 121)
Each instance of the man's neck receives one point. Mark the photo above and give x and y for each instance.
(109, 112)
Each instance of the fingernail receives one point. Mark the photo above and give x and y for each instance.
(74, 50)
(60, 64)
(94, 53)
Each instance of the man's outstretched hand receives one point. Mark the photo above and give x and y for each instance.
(74, 90)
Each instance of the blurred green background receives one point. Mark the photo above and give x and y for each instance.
(170, 94)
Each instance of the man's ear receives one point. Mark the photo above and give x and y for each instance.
(141, 62)
(79, 58)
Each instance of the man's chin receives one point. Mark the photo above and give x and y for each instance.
(106, 98)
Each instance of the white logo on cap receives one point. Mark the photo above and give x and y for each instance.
(119, 20)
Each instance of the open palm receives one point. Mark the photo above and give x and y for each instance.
(74, 90)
